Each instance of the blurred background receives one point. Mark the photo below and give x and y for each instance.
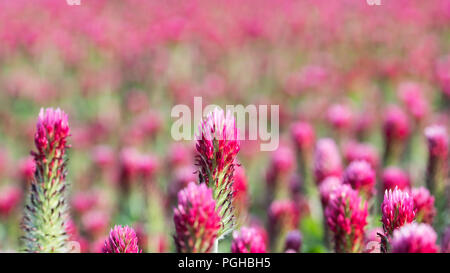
(117, 67)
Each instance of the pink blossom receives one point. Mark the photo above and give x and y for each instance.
(121, 240)
(303, 135)
(248, 240)
(424, 205)
(346, 216)
(361, 177)
(339, 116)
(327, 188)
(327, 161)
(396, 125)
(197, 221)
(395, 177)
(397, 210)
(293, 241)
(437, 138)
(414, 238)
(360, 151)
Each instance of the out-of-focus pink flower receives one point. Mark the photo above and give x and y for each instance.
(182, 177)
(327, 188)
(128, 167)
(424, 205)
(445, 242)
(397, 210)
(197, 222)
(147, 166)
(414, 238)
(411, 94)
(346, 217)
(339, 116)
(284, 215)
(179, 155)
(395, 125)
(361, 177)
(327, 160)
(303, 135)
(240, 194)
(395, 177)
(293, 241)
(437, 138)
(360, 151)
(84, 201)
(10, 197)
(27, 167)
(102, 156)
(122, 240)
(281, 163)
(248, 240)
(372, 240)
(95, 222)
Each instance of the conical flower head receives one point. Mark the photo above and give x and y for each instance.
(437, 138)
(197, 221)
(121, 240)
(217, 146)
(46, 206)
(303, 135)
(327, 160)
(414, 238)
(327, 188)
(397, 210)
(346, 216)
(248, 240)
(361, 177)
(424, 205)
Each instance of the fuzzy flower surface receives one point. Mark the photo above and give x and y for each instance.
(327, 160)
(414, 238)
(346, 216)
(197, 221)
(397, 210)
(424, 205)
(248, 240)
(122, 240)
(361, 177)
(46, 210)
(217, 147)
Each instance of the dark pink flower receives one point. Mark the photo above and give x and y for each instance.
(197, 221)
(424, 205)
(360, 151)
(303, 135)
(395, 177)
(396, 124)
(121, 240)
(361, 177)
(327, 160)
(346, 216)
(327, 188)
(248, 240)
(397, 210)
(437, 138)
(414, 238)
(293, 241)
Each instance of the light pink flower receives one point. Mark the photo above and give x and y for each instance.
(121, 240)
(248, 240)
(414, 238)
(327, 160)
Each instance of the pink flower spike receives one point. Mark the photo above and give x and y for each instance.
(303, 135)
(339, 116)
(424, 205)
(346, 216)
(121, 240)
(414, 238)
(327, 160)
(361, 177)
(437, 138)
(248, 240)
(327, 188)
(196, 219)
(397, 210)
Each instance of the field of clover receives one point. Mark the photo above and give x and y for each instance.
(88, 162)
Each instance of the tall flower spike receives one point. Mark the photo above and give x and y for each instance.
(397, 210)
(121, 240)
(414, 238)
(197, 222)
(396, 129)
(248, 240)
(346, 216)
(327, 160)
(46, 212)
(217, 146)
(437, 138)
